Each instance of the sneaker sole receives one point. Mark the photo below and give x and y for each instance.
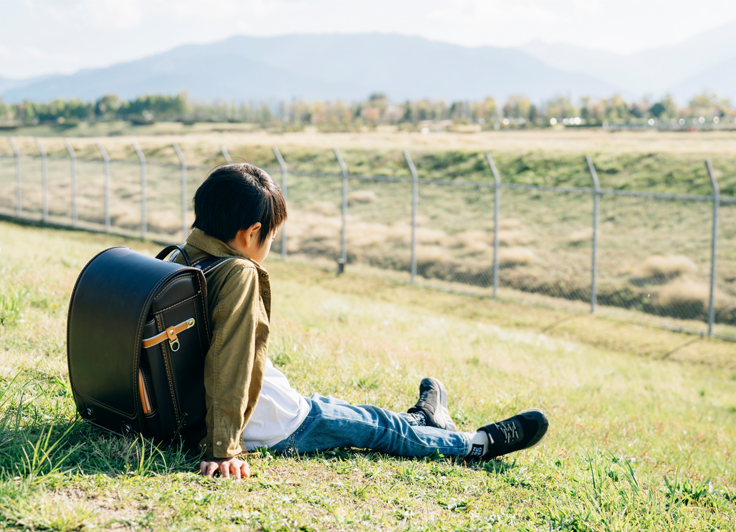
(445, 413)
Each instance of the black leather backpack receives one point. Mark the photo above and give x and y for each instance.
(137, 336)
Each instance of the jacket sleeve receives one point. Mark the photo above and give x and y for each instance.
(228, 366)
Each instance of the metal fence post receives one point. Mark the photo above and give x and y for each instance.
(142, 159)
(106, 167)
(713, 247)
(44, 180)
(183, 192)
(225, 154)
(414, 205)
(594, 260)
(282, 164)
(496, 218)
(344, 234)
(16, 156)
(73, 157)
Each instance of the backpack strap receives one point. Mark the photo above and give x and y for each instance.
(207, 264)
(169, 249)
(210, 263)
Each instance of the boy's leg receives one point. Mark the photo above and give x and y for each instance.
(334, 423)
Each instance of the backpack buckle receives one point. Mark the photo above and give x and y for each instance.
(173, 339)
(171, 334)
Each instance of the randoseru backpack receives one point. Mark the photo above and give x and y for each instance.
(137, 336)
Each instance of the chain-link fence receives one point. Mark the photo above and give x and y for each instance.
(651, 258)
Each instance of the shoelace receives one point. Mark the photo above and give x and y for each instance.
(509, 430)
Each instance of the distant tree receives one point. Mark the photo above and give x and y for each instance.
(408, 115)
(517, 106)
(266, 116)
(617, 109)
(561, 108)
(639, 109)
(460, 112)
(26, 112)
(534, 115)
(180, 106)
(485, 110)
(379, 100)
(657, 110)
(108, 105)
(585, 105)
(709, 104)
(57, 109)
(664, 108)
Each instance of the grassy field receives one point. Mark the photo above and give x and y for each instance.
(654, 256)
(642, 434)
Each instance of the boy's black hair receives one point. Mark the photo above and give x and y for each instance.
(234, 197)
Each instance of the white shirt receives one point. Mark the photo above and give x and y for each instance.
(279, 412)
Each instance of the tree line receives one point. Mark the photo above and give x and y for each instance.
(517, 111)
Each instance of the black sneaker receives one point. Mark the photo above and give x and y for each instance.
(433, 404)
(522, 431)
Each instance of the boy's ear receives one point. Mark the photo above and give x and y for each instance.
(251, 234)
(246, 239)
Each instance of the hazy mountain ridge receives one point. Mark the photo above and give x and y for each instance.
(701, 62)
(350, 67)
(7, 84)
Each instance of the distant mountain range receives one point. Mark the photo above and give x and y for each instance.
(350, 67)
(704, 62)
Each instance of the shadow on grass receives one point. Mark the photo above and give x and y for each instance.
(41, 435)
(491, 467)
(498, 467)
(42, 449)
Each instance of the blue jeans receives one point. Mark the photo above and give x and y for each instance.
(333, 423)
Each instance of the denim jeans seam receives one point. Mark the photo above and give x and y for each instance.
(292, 439)
(422, 445)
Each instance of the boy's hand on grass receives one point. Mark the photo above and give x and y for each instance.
(234, 468)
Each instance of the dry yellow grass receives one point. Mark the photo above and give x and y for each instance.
(325, 208)
(510, 223)
(510, 257)
(195, 145)
(472, 242)
(400, 233)
(515, 237)
(580, 237)
(685, 294)
(362, 196)
(430, 255)
(666, 266)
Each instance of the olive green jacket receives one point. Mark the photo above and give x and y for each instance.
(239, 298)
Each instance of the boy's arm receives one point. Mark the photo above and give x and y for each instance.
(229, 363)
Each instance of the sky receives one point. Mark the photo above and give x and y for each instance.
(39, 37)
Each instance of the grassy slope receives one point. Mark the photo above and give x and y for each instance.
(621, 417)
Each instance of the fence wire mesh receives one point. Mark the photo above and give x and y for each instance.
(653, 257)
(725, 293)
(7, 185)
(545, 246)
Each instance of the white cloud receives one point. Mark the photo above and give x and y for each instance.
(485, 12)
(96, 14)
(223, 9)
(118, 14)
(36, 53)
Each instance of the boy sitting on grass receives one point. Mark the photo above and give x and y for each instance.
(250, 404)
